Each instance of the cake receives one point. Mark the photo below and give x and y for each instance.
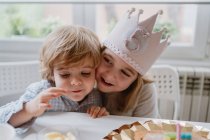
(159, 130)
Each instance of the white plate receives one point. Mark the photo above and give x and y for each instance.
(63, 129)
(7, 132)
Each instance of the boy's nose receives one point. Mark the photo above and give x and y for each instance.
(75, 82)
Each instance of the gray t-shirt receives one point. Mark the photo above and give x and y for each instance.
(145, 103)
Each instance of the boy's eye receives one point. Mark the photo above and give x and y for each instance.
(64, 75)
(86, 73)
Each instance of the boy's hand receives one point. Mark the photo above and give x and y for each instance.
(39, 104)
(96, 111)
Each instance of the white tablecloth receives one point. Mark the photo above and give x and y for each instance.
(87, 128)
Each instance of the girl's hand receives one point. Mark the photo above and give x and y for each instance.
(97, 112)
(39, 104)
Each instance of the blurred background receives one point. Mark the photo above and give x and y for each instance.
(25, 24)
(28, 23)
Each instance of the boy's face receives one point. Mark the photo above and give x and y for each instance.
(77, 80)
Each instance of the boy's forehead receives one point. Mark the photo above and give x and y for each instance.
(83, 62)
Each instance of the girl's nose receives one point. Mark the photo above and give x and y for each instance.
(111, 76)
(75, 82)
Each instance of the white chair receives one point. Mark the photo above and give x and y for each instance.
(15, 77)
(167, 82)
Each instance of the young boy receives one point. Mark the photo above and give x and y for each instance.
(68, 61)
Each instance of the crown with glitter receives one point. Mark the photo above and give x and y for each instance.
(134, 41)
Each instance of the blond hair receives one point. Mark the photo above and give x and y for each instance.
(68, 45)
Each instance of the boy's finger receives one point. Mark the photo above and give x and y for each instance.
(92, 110)
(56, 89)
(102, 112)
(49, 97)
(95, 112)
(50, 94)
(88, 110)
(107, 113)
(45, 106)
(53, 92)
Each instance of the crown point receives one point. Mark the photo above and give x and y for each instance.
(160, 12)
(141, 11)
(168, 36)
(148, 33)
(164, 29)
(169, 43)
(131, 11)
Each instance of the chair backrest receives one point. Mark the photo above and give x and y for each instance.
(167, 82)
(15, 77)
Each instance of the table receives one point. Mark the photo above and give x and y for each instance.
(88, 128)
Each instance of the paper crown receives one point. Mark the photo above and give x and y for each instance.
(135, 42)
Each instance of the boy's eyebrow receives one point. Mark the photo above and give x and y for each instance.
(88, 66)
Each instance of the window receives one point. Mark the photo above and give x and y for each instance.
(33, 20)
(188, 24)
(185, 23)
(23, 27)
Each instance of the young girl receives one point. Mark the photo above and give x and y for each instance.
(129, 51)
(68, 60)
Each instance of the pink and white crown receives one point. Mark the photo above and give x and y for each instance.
(135, 42)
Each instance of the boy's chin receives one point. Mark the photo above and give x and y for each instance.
(76, 99)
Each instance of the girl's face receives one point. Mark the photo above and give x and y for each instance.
(78, 81)
(113, 74)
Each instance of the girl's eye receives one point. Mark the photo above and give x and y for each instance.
(107, 60)
(125, 73)
(64, 75)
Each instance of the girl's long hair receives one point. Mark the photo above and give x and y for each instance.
(128, 98)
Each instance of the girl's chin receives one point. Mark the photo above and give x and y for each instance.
(104, 88)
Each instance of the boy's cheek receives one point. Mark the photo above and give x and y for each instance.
(58, 82)
(62, 84)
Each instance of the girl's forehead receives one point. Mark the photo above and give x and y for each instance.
(111, 54)
(119, 61)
